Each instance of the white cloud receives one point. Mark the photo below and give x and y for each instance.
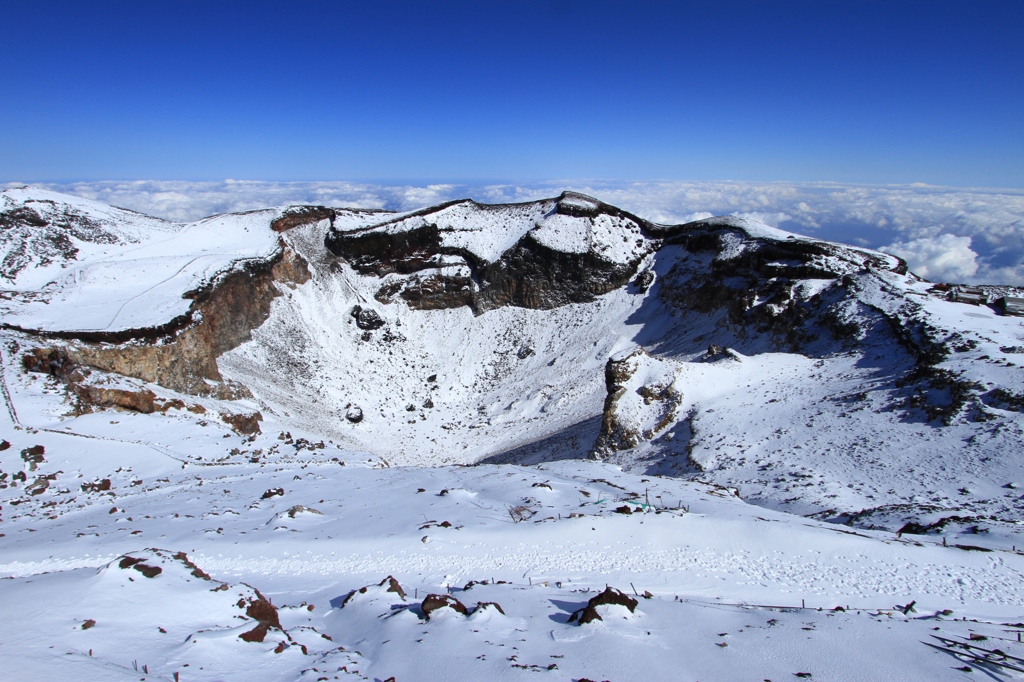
(868, 215)
(945, 258)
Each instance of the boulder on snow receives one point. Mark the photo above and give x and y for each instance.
(716, 353)
(433, 602)
(354, 414)
(244, 424)
(300, 509)
(366, 318)
(40, 485)
(143, 568)
(392, 586)
(610, 597)
(96, 486)
(644, 280)
(33, 456)
(482, 606)
(259, 609)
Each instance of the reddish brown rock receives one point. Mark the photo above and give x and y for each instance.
(98, 487)
(98, 396)
(433, 602)
(243, 424)
(260, 609)
(297, 216)
(608, 597)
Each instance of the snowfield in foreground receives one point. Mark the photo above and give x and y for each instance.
(724, 590)
(546, 441)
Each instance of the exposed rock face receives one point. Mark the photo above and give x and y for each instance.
(532, 275)
(264, 613)
(297, 216)
(136, 401)
(579, 248)
(450, 287)
(183, 357)
(759, 280)
(642, 401)
(243, 424)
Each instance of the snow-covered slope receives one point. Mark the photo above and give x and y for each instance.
(75, 265)
(467, 333)
(280, 395)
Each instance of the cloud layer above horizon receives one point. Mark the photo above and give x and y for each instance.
(945, 234)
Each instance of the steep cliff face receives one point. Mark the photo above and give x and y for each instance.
(464, 333)
(766, 281)
(184, 357)
(223, 317)
(538, 255)
(297, 216)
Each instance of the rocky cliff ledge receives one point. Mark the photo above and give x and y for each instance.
(537, 255)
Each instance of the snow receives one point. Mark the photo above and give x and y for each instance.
(741, 531)
(138, 281)
(617, 240)
(487, 232)
(719, 571)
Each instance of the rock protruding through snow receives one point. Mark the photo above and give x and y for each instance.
(611, 597)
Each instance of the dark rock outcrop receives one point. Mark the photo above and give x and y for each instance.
(529, 274)
(243, 424)
(620, 429)
(392, 586)
(142, 400)
(262, 611)
(484, 605)
(610, 596)
(139, 565)
(753, 279)
(433, 602)
(367, 318)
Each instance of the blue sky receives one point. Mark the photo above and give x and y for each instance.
(857, 92)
